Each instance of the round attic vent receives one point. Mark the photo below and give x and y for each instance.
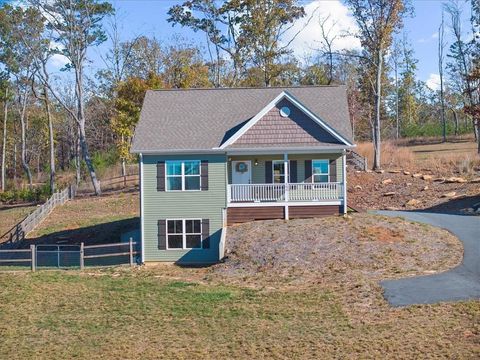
(285, 111)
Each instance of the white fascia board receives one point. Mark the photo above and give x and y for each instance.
(271, 151)
(323, 124)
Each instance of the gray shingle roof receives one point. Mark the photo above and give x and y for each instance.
(202, 119)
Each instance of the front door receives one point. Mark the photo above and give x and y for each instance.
(242, 172)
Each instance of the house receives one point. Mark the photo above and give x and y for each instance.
(211, 158)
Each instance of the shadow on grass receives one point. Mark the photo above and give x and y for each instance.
(104, 233)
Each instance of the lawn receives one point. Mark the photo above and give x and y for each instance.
(273, 304)
(90, 219)
(267, 300)
(168, 312)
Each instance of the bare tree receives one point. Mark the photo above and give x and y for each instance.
(77, 26)
(327, 41)
(377, 21)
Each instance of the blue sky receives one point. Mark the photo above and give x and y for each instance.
(149, 17)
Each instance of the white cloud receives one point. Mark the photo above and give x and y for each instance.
(433, 82)
(340, 21)
(435, 35)
(58, 61)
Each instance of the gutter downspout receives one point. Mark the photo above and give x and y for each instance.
(142, 212)
(344, 159)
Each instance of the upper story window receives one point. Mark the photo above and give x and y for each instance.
(320, 170)
(182, 175)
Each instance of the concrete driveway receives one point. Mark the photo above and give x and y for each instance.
(460, 283)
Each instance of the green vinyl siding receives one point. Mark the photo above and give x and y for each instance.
(258, 171)
(183, 205)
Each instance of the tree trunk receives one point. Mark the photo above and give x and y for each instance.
(378, 103)
(397, 107)
(78, 169)
(88, 162)
(455, 119)
(25, 166)
(51, 140)
(81, 125)
(4, 143)
(476, 129)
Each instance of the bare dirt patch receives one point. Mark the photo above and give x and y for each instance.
(373, 246)
(373, 191)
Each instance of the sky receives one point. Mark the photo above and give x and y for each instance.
(149, 17)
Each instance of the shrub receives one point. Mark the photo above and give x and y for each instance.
(25, 195)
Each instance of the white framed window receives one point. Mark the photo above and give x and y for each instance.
(184, 234)
(320, 171)
(278, 171)
(182, 175)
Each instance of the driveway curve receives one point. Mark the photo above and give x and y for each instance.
(459, 283)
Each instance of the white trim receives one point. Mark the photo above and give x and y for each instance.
(266, 109)
(300, 150)
(345, 206)
(282, 203)
(281, 151)
(184, 234)
(142, 213)
(328, 170)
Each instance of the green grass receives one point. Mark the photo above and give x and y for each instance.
(129, 314)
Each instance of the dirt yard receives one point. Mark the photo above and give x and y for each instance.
(398, 190)
(420, 174)
(306, 251)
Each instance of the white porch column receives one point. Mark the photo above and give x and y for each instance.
(344, 160)
(286, 181)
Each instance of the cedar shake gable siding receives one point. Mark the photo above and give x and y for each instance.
(296, 130)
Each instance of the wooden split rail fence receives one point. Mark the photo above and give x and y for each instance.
(19, 231)
(40, 256)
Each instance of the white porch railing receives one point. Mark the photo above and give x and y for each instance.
(285, 192)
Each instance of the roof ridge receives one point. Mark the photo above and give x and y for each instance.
(250, 88)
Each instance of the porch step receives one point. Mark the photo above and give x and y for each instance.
(357, 160)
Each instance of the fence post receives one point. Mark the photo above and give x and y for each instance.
(82, 260)
(34, 258)
(131, 251)
(124, 181)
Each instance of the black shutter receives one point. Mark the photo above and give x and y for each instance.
(162, 235)
(204, 175)
(308, 171)
(161, 176)
(333, 170)
(293, 171)
(268, 172)
(206, 233)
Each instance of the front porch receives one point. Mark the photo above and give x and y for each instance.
(288, 185)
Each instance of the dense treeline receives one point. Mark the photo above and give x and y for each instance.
(76, 121)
